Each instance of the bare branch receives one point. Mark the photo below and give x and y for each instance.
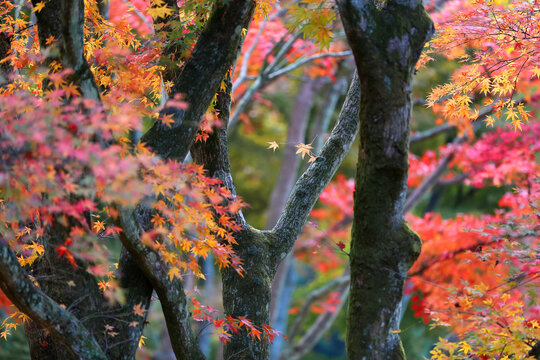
(316, 177)
(139, 14)
(29, 299)
(247, 55)
(306, 60)
(315, 295)
(318, 328)
(170, 292)
(428, 183)
(431, 133)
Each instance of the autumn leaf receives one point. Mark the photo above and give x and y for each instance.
(98, 226)
(272, 145)
(167, 120)
(39, 6)
(139, 310)
(157, 220)
(71, 90)
(160, 11)
(304, 149)
(141, 341)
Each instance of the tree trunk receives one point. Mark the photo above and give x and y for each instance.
(386, 39)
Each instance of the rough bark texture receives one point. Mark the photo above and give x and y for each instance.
(5, 67)
(386, 39)
(64, 326)
(313, 181)
(249, 295)
(213, 55)
(170, 293)
(262, 251)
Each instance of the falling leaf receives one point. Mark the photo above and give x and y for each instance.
(304, 149)
(139, 310)
(39, 6)
(273, 145)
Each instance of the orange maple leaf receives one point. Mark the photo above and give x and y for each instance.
(138, 310)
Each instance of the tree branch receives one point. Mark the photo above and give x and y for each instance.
(428, 183)
(431, 133)
(29, 299)
(306, 60)
(316, 177)
(217, 48)
(315, 295)
(170, 292)
(319, 327)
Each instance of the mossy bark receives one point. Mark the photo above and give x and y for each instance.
(249, 295)
(386, 38)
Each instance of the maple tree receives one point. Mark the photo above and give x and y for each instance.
(74, 98)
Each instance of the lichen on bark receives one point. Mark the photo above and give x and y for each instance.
(387, 39)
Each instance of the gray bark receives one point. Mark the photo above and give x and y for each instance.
(387, 39)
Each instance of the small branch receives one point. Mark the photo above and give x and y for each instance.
(316, 177)
(29, 299)
(247, 55)
(262, 79)
(456, 180)
(139, 14)
(431, 133)
(428, 183)
(304, 61)
(437, 259)
(319, 327)
(314, 296)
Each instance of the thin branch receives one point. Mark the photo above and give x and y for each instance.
(314, 296)
(262, 80)
(428, 183)
(31, 300)
(437, 259)
(247, 55)
(304, 61)
(318, 174)
(431, 133)
(140, 15)
(318, 329)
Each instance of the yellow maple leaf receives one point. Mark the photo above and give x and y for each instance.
(160, 12)
(39, 6)
(141, 341)
(173, 272)
(304, 149)
(272, 145)
(98, 226)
